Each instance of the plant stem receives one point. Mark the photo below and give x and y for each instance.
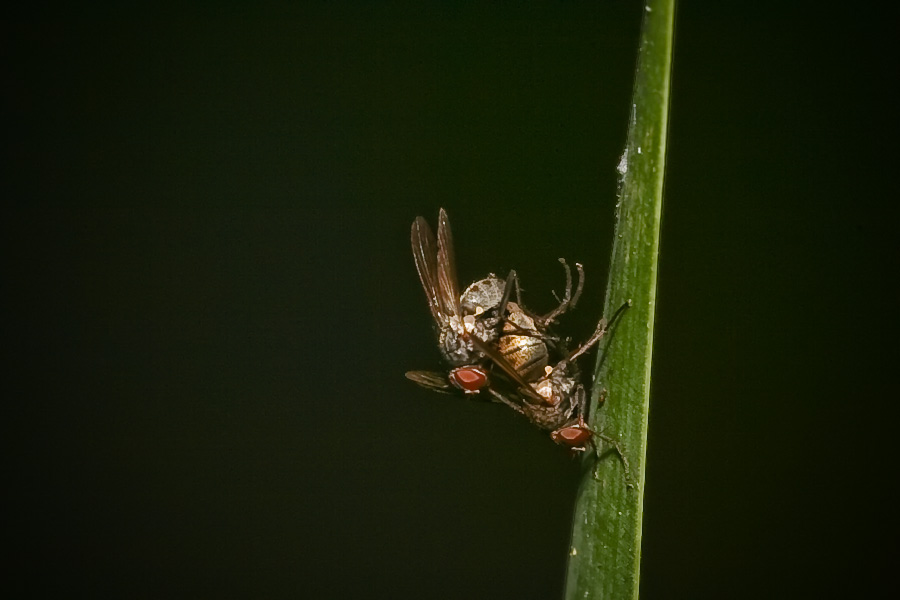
(605, 552)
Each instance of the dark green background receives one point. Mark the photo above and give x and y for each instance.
(212, 298)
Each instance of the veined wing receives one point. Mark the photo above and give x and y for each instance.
(448, 286)
(498, 359)
(424, 252)
(431, 380)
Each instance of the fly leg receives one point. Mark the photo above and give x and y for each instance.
(512, 282)
(518, 330)
(498, 397)
(598, 333)
(518, 293)
(618, 450)
(615, 446)
(569, 299)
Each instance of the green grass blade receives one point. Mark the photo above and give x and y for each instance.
(605, 552)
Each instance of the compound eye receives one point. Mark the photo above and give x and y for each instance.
(573, 436)
(469, 379)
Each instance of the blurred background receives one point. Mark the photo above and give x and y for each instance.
(212, 302)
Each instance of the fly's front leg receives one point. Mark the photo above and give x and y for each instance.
(616, 447)
(598, 333)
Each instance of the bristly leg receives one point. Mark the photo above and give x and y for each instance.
(599, 332)
(616, 447)
(498, 397)
(511, 280)
(568, 301)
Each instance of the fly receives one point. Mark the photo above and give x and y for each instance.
(461, 321)
(469, 324)
(560, 405)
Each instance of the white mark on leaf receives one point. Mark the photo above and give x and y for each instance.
(622, 167)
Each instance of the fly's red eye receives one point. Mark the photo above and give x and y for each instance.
(469, 379)
(573, 436)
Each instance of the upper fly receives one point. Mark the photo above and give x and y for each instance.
(461, 320)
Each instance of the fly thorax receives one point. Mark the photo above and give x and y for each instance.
(486, 329)
(484, 294)
(556, 385)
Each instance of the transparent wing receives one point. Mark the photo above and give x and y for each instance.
(448, 287)
(498, 359)
(431, 380)
(425, 255)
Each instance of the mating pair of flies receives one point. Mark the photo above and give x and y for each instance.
(494, 345)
